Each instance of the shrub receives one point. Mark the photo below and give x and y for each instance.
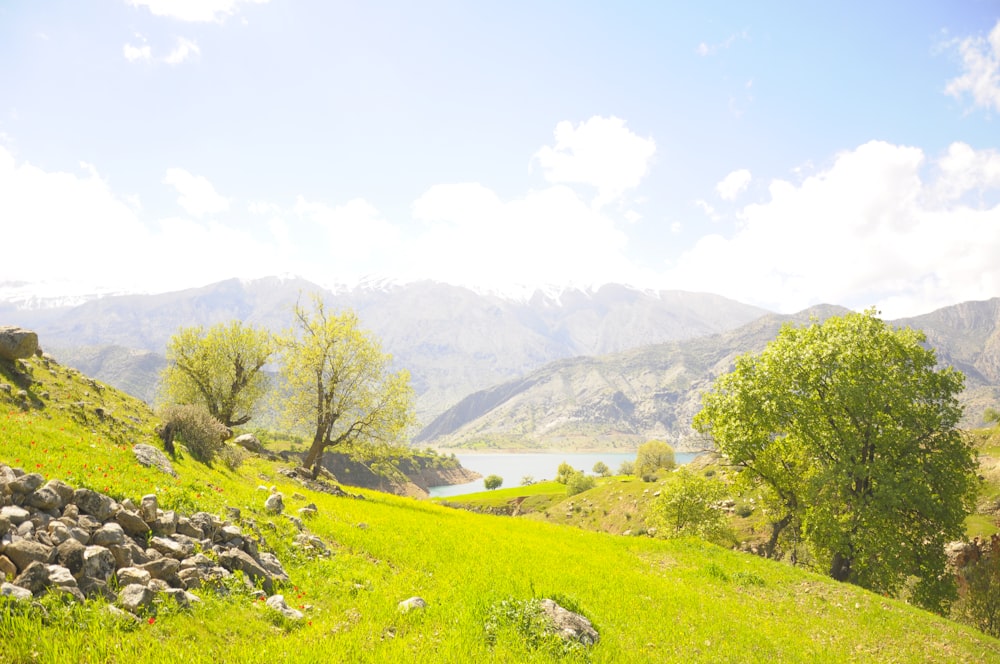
(527, 480)
(493, 482)
(688, 506)
(578, 482)
(564, 472)
(652, 456)
(980, 603)
(626, 468)
(196, 428)
(522, 621)
(601, 468)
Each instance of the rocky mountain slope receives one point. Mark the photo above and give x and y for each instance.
(453, 340)
(622, 399)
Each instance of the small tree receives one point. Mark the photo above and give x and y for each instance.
(564, 472)
(626, 468)
(688, 505)
(527, 480)
(601, 468)
(579, 482)
(493, 482)
(339, 385)
(220, 368)
(652, 456)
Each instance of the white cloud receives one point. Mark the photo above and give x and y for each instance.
(137, 53)
(356, 234)
(733, 184)
(184, 49)
(84, 236)
(866, 231)
(600, 152)
(549, 236)
(709, 211)
(981, 70)
(705, 49)
(197, 195)
(193, 10)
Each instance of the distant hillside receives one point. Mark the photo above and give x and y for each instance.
(453, 340)
(622, 399)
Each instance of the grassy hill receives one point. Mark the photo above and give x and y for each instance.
(651, 600)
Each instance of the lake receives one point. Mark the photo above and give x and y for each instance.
(513, 467)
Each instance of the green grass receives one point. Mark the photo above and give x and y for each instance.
(651, 600)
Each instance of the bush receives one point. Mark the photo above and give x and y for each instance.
(652, 456)
(980, 602)
(527, 480)
(202, 434)
(627, 468)
(493, 482)
(688, 505)
(578, 482)
(564, 472)
(601, 468)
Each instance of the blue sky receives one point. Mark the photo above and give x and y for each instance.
(783, 155)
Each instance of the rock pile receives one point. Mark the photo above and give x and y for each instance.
(54, 538)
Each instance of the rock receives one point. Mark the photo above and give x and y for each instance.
(249, 442)
(132, 523)
(95, 504)
(70, 554)
(183, 598)
(14, 514)
(235, 559)
(277, 603)
(152, 457)
(98, 564)
(35, 577)
(164, 569)
(26, 483)
(61, 576)
(127, 575)
(165, 524)
(7, 569)
(108, 534)
(17, 343)
(24, 552)
(270, 562)
(148, 508)
(135, 598)
(411, 604)
(14, 592)
(275, 504)
(61, 489)
(171, 548)
(568, 625)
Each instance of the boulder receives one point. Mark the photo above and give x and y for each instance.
(17, 343)
(98, 564)
(132, 523)
(135, 598)
(23, 552)
(108, 534)
(26, 483)
(567, 625)
(70, 554)
(152, 457)
(14, 592)
(35, 577)
(127, 575)
(235, 559)
(7, 568)
(411, 604)
(249, 442)
(95, 504)
(275, 504)
(277, 603)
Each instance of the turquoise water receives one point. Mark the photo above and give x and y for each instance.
(513, 467)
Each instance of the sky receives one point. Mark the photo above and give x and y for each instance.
(780, 154)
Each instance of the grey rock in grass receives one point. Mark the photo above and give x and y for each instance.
(238, 560)
(133, 575)
(26, 483)
(148, 508)
(171, 548)
(98, 564)
(17, 343)
(153, 457)
(132, 523)
(108, 534)
(14, 514)
(15, 592)
(34, 577)
(277, 603)
(275, 504)
(249, 442)
(7, 568)
(568, 625)
(162, 568)
(70, 554)
(135, 597)
(412, 604)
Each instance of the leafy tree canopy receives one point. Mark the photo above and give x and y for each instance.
(652, 456)
(493, 482)
(339, 385)
(851, 428)
(219, 368)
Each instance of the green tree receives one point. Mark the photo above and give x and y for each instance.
(578, 482)
(339, 385)
(851, 429)
(688, 505)
(564, 472)
(652, 456)
(220, 368)
(493, 482)
(626, 468)
(601, 468)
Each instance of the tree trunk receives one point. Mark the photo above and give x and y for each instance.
(840, 567)
(776, 529)
(315, 452)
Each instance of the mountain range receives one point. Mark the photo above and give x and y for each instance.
(453, 340)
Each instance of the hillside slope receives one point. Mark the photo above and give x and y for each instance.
(676, 601)
(622, 399)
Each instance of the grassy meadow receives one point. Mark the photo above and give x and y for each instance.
(651, 600)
